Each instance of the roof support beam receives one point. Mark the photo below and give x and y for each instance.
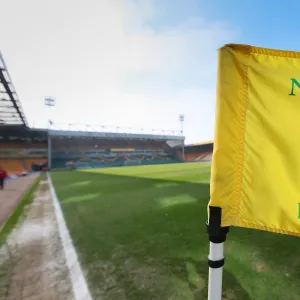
(9, 91)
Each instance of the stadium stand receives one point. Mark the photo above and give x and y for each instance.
(197, 152)
(84, 152)
(24, 149)
(20, 156)
(11, 165)
(29, 149)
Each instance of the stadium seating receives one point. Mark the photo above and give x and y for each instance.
(29, 162)
(12, 166)
(85, 152)
(198, 156)
(110, 145)
(17, 157)
(207, 157)
(95, 153)
(22, 146)
(191, 156)
(60, 163)
(99, 153)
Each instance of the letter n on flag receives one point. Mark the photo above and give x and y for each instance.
(256, 161)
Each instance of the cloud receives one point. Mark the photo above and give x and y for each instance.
(114, 62)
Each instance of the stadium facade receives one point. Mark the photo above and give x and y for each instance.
(23, 148)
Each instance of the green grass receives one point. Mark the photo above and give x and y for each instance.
(17, 213)
(140, 234)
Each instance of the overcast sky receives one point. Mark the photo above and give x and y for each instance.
(125, 63)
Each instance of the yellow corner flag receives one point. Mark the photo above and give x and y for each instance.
(255, 176)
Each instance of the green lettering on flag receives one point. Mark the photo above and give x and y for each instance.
(294, 82)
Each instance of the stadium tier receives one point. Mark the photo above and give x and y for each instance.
(98, 152)
(198, 152)
(24, 149)
(21, 148)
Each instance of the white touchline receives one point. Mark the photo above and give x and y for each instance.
(79, 285)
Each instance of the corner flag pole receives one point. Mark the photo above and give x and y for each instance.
(216, 260)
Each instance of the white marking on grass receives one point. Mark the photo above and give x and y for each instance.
(165, 185)
(79, 285)
(85, 197)
(80, 183)
(176, 200)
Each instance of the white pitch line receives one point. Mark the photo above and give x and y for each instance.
(79, 285)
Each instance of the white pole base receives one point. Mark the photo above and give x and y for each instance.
(216, 253)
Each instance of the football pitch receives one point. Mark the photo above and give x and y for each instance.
(140, 234)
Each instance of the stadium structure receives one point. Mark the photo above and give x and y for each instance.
(24, 149)
(198, 152)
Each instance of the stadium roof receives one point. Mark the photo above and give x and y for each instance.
(11, 112)
(20, 133)
(200, 144)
